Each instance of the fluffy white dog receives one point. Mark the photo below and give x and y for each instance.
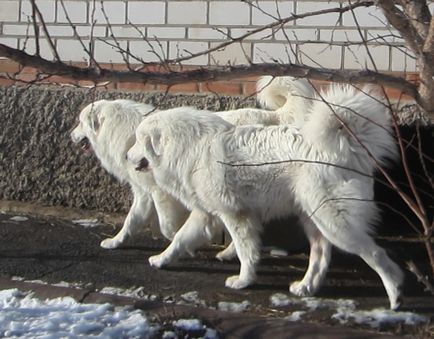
(108, 128)
(248, 175)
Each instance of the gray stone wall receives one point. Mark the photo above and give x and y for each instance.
(38, 161)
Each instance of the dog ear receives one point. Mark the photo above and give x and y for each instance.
(156, 142)
(96, 117)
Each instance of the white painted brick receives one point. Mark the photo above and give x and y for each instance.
(166, 32)
(297, 34)
(76, 10)
(185, 48)
(272, 52)
(331, 19)
(263, 35)
(382, 36)
(356, 57)
(72, 50)
(46, 7)
(320, 55)
(114, 10)
(187, 12)
(229, 13)
(23, 29)
(207, 33)
(269, 12)
(146, 12)
(9, 11)
(128, 32)
(402, 61)
(107, 53)
(11, 42)
(366, 17)
(234, 54)
(59, 31)
(340, 35)
(29, 46)
(85, 31)
(148, 51)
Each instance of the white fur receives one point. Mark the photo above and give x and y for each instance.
(198, 161)
(110, 128)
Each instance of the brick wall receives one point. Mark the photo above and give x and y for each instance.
(174, 27)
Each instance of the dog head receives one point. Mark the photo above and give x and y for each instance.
(90, 121)
(148, 147)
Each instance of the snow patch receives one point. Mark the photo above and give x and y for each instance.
(19, 218)
(233, 306)
(377, 317)
(295, 316)
(282, 300)
(26, 317)
(87, 222)
(277, 252)
(192, 298)
(134, 292)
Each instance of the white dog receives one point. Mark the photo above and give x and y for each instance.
(108, 127)
(237, 174)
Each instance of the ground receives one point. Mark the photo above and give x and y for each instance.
(53, 250)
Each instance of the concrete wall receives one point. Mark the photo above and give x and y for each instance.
(328, 40)
(38, 161)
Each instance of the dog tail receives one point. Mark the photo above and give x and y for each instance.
(353, 124)
(289, 96)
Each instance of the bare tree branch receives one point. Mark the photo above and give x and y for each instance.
(208, 74)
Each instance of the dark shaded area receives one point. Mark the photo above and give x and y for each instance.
(398, 219)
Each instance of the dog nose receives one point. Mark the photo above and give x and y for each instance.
(142, 165)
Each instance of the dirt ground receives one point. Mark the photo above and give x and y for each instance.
(53, 250)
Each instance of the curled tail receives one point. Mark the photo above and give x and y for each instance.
(289, 96)
(353, 126)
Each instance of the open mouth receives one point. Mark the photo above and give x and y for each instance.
(85, 145)
(143, 165)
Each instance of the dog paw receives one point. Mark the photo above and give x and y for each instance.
(236, 283)
(110, 243)
(226, 255)
(300, 289)
(157, 261)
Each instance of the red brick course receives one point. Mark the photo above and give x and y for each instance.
(244, 87)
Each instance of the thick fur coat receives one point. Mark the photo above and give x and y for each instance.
(250, 174)
(108, 128)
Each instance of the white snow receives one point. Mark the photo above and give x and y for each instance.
(282, 300)
(134, 292)
(19, 218)
(194, 325)
(377, 317)
(277, 252)
(26, 317)
(295, 316)
(87, 222)
(233, 306)
(192, 298)
(23, 316)
(345, 311)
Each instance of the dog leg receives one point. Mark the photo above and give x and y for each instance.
(171, 213)
(193, 234)
(356, 241)
(228, 253)
(244, 232)
(319, 259)
(141, 213)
